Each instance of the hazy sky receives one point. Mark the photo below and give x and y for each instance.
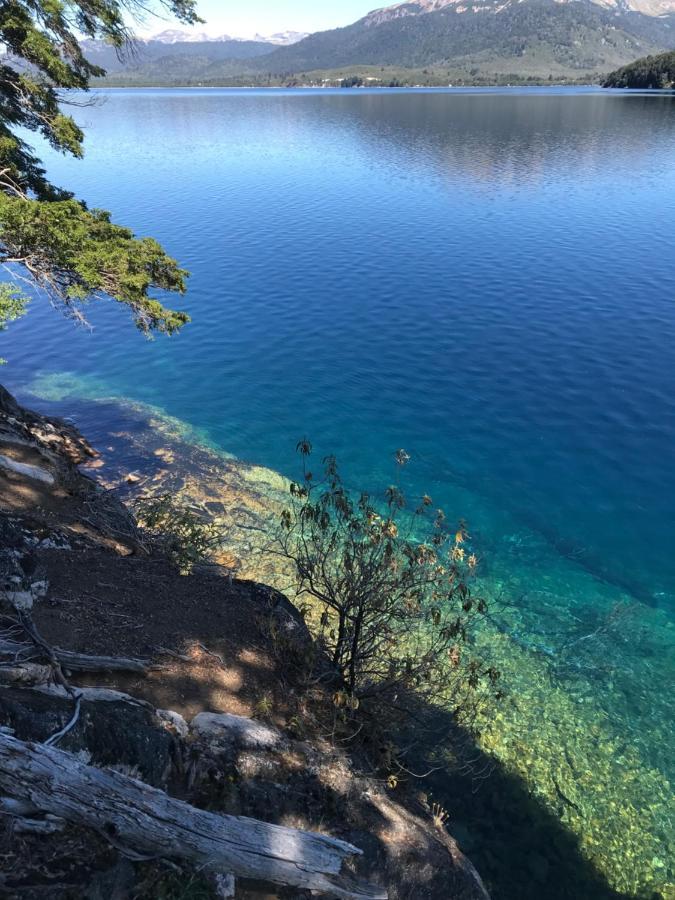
(246, 17)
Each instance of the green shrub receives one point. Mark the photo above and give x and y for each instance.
(181, 534)
(392, 587)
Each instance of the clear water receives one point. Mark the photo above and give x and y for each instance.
(485, 278)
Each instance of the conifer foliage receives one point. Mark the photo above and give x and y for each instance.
(71, 252)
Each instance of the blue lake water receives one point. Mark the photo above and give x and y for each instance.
(484, 278)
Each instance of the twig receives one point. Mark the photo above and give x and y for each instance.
(164, 651)
(214, 655)
(55, 738)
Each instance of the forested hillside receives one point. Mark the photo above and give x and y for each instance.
(648, 72)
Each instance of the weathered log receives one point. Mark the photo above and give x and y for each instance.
(26, 674)
(76, 662)
(50, 825)
(33, 472)
(28, 819)
(19, 808)
(149, 821)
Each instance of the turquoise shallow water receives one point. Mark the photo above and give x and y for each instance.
(486, 279)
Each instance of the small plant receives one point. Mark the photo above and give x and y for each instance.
(158, 883)
(185, 537)
(439, 816)
(297, 727)
(264, 706)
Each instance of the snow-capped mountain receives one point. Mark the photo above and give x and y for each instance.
(178, 36)
(423, 7)
(282, 38)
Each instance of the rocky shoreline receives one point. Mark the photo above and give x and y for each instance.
(221, 714)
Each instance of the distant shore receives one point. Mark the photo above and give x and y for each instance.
(104, 86)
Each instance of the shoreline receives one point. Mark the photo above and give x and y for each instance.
(584, 87)
(577, 725)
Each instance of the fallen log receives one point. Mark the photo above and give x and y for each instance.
(76, 662)
(148, 821)
(28, 819)
(18, 468)
(18, 808)
(26, 674)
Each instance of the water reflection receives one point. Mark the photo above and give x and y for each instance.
(515, 140)
(497, 138)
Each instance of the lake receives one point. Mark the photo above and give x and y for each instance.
(484, 278)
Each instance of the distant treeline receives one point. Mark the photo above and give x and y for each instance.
(648, 72)
(355, 77)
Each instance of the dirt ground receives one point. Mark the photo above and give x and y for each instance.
(109, 605)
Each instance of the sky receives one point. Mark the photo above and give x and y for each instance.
(243, 18)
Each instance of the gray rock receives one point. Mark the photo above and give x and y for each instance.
(21, 600)
(113, 733)
(236, 732)
(173, 722)
(224, 886)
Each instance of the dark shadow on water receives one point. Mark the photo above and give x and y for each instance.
(522, 850)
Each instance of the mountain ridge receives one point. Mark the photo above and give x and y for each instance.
(180, 36)
(441, 41)
(425, 7)
(580, 35)
(650, 72)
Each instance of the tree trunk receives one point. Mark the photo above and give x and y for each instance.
(148, 821)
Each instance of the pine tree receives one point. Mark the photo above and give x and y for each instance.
(67, 250)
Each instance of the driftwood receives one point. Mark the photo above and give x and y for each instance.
(148, 821)
(75, 662)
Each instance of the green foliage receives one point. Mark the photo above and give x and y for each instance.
(183, 536)
(352, 82)
(157, 882)
(12, 306)
(71, 252)
(392, 585)
(648, 72)
(76, 253)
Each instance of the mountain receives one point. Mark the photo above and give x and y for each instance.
(181, 58)
(649, 72)
(177, 36)
(422, 7)
(421, 41)
(282, 38)
(177, 55)
(574, 38)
